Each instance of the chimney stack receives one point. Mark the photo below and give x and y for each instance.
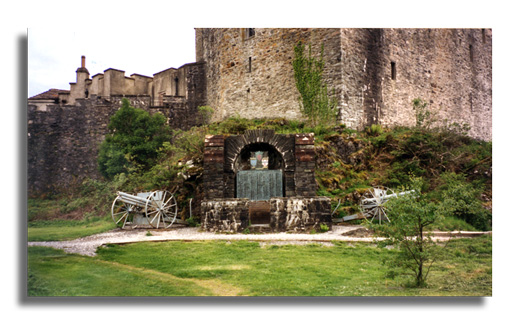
(83, 61)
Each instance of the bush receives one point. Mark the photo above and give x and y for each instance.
(462, 201)
(133, 142)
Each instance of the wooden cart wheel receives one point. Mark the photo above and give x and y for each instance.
(161, 209)
(373, 203)
(122, 212)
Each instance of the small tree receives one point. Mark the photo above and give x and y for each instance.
(315, 102)
(410, 215)
(133, 142)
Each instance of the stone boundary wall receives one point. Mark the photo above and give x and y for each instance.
(63, 140)
(288, 214)
(63, 143)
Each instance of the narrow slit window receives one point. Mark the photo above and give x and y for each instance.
(471, 53)
(249, 65)
(393, 71)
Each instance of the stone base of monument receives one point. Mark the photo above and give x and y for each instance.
(279, 214)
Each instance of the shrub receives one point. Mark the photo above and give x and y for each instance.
(461, 200)
(133, 141)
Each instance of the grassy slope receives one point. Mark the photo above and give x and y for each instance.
(246, 268)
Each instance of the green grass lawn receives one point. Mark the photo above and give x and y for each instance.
(243, 268)
(63, 230)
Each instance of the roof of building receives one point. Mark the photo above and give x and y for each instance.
(49, 94)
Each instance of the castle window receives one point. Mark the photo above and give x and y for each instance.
(250, 32)
(249, 65)
(471, 53)
(393, 71)
(176, 86)
(484, 36)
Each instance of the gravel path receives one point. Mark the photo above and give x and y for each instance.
(88, 245)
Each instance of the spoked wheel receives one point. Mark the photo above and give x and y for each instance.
(373, 203)
(122, 212)
(161, 209)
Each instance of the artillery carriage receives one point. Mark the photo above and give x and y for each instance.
(373, 204)
(157, 209)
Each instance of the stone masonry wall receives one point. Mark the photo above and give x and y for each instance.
(225, 215)
(298, 214)
(63, 143)
(63, 140)
(448, 68)
(294, 214)
(252, 76)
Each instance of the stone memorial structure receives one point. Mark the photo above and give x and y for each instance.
(261, 181)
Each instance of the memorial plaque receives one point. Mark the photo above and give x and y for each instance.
(259, 184)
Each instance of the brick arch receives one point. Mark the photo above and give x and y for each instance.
(221, 151)
(282, 144)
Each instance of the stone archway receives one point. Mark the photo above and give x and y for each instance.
(279, 149)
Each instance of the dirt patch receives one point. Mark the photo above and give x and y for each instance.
(359, 232)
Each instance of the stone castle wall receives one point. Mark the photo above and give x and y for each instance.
(251, 76)
(448, 68)
(63, 143)
(376, 73)
(63, 140)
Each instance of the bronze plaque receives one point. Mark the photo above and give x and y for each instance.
(259, 184)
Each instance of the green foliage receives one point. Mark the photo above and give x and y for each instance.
(316, 104)
(462, 201)
(424, 118)
(324, 228)
(409, 216)
(189, 143)
(133, 142)
(374, 130)
(207, 113)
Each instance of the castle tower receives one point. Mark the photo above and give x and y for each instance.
(376, 73)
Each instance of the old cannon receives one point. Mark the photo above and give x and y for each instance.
(158, 209)
(372, 204)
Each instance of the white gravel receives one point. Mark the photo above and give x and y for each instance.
(88, 245)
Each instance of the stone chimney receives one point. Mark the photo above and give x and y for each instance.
(82, 69)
